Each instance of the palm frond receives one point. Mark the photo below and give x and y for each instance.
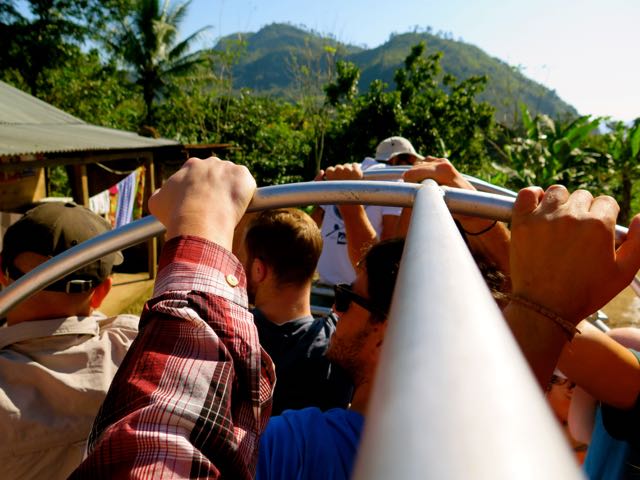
(185, 45)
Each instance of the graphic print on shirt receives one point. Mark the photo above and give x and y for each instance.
(338, 231)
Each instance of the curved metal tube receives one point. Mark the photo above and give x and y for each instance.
(278, 196)
(398, 194)
(394, 173)
(484, 186)
(394, 194)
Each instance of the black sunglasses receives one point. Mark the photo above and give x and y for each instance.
(344, 295)
(403, 159)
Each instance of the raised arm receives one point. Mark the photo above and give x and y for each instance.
(360, 232)
(602, 367)
(489, 238)
(564, 266)
(194, 392)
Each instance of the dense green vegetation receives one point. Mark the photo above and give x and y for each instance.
(273, 53)
(126, 64)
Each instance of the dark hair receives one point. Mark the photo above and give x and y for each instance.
(381, 264)
(288, 241)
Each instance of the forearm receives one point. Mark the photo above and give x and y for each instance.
(194, 390)
(317, 214)
(360, 232)
(403, 222)
(493, 244)
(602, 367)
(540, 339)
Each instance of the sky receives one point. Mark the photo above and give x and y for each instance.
(585, 50)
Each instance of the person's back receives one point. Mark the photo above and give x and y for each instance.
(57, 354)
(54, 375)
(281, 249)
(305, 376)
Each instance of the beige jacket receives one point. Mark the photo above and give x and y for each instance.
(54, 375)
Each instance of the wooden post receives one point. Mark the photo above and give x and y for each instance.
(81, 190)
(150, 187)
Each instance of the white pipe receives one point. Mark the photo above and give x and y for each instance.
(453, 397)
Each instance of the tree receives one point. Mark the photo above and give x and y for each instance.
(445, 119)
(440, 115)
(623, 145)
(552, 152)
(147, 43)
(95, 91)
(46, 37)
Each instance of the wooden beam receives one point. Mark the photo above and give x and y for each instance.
(81, 191)
(83, 158)
(150, 187)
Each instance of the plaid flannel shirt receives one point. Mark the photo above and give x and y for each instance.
(193, 394)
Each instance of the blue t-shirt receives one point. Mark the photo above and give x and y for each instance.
(606, 457)
(614, 451)
(310, 444)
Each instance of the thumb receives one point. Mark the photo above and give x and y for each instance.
(527, 200)
(319, 176)
(628, 254)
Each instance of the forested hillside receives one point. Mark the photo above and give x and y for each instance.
(273, 56)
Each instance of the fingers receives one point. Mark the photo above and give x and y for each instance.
(553, 198)
(605, 207)
(204, 198)
(528, 200)
(580, 201)
(319, 176)
(439, 169)
(557, 198)
(628, 254)
(347, 171)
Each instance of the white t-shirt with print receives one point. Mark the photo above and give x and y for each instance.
(334, 265)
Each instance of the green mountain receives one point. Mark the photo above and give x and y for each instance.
(280, 59)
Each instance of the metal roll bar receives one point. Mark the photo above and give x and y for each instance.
(466, 202)
(453, 396)
(394, 173)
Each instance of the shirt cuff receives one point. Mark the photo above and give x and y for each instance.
(189, 263)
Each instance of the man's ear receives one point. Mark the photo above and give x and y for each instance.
(259, 270)
(100, 292)
(378, 331)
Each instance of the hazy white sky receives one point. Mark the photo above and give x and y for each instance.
(584, 49)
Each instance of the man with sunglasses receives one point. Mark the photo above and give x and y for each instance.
(313, 444)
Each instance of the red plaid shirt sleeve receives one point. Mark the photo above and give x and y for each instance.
(194, 392)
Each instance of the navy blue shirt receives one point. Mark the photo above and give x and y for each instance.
(305, 378)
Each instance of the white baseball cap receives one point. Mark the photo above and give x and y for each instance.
(393, 146)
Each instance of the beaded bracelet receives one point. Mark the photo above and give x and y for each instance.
(569, 329)
(484, 230)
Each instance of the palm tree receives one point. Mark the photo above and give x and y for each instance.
(147, 43)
